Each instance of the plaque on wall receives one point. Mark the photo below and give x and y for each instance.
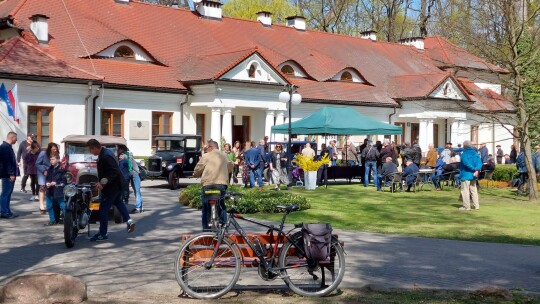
(139, 129)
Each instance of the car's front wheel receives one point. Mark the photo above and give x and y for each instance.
(173, 180)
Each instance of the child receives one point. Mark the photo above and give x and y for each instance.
(55, 188)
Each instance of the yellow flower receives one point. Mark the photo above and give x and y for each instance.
(309, 164)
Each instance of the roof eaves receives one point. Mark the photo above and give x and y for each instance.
(350, 102)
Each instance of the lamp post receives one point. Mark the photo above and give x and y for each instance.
(292, 97)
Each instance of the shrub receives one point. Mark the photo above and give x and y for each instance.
(504, 173)
(252, 201)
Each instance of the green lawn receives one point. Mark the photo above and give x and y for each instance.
(502, 218)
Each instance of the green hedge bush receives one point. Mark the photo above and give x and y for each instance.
(252, 201)
(504, 173)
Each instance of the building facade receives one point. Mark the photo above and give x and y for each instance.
(136, 70)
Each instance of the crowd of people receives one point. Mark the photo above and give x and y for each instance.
(47, 175)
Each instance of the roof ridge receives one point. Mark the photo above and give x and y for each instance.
(12, 47)
(60, 60)
(16, 9)
(443, 48)
(231, 52)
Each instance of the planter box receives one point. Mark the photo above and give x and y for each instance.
(310, 180)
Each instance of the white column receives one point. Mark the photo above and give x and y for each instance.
(429, 138)
(215, 127)
(423, 136)
(280, 119)
(226, 129)
(269, 123)
(457, 136)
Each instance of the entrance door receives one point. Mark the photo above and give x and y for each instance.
(415, 131)
(238, 134)
(435, 135)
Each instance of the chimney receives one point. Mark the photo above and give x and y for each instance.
(122, 1)
(371, 35)
(265, 18)
(298, 22)
(417, 42)
(209, 9)
(40, 28)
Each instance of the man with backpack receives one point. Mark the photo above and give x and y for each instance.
(371, 155)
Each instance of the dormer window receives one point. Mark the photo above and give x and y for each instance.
(252, 70)
(124, 52)
(346, 76)
(287, 70)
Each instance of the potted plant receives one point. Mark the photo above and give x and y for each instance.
(310, 166)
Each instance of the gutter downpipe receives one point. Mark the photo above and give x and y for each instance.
(86, 107)
(182, 103)
(94, 111)
(390, 116)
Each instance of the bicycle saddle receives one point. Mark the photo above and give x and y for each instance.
(289, 208)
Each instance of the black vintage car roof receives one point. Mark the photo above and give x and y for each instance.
(176, 136)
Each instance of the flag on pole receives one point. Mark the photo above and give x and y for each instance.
(4, 96)
(14, 101)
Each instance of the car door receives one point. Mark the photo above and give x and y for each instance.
(192, 154)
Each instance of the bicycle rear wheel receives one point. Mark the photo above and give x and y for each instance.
(199, 280)
(311, 280)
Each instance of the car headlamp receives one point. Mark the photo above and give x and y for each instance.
(70, 190)
(164, 164)
(170, 167)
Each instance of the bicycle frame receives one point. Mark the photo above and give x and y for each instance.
(232, 220)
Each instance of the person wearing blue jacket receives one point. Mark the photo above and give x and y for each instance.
(255, 163)
(469, 168)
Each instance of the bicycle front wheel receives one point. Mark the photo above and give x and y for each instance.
(200, 279)
(305, 278)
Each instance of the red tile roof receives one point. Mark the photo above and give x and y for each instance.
(192, 48)
(486, 100)
(20, 57)
(447, 54)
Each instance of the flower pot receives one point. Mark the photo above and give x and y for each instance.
(310, 180)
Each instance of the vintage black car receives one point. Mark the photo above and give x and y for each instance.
(176, 156)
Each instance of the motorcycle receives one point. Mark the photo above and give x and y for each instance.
(78, 199)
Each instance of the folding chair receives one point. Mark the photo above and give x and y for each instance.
(393, 182)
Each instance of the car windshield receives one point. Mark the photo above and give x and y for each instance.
(78, 153)
(170, 145)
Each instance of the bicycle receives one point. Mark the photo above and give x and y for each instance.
(207, 266)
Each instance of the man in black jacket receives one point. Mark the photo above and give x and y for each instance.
(110, 184)
(8, 172)
(24, 148)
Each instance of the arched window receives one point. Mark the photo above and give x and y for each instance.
(287, 70)
(346, 76)
(251, 72)
(124, 52)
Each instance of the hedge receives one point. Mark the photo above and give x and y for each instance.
(252, 201)
(504, 173)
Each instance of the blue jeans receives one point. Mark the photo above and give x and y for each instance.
(351, 163)
(206, 206)
(334, 162)
(136, 185)
(105, 205)
(50, 201)
(252, 173)
(371, 165)
(435, 180)
(5, 197)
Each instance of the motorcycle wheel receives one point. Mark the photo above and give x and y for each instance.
(71, 229)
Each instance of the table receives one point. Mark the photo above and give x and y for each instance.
(424, 177)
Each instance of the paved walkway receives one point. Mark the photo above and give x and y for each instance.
(142, 262)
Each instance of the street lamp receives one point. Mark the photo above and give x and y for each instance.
(292, 97)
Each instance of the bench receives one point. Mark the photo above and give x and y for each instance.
(249, 258)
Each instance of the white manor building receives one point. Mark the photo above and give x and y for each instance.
(132, 69)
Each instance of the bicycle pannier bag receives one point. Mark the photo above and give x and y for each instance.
(317, 239)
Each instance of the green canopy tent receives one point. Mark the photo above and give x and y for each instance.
(337, 121)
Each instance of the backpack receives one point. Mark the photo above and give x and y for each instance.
(317, 238)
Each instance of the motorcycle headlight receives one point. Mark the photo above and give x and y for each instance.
(69, 177)
(70, 191)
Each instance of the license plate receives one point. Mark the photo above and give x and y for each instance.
(94, 206)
